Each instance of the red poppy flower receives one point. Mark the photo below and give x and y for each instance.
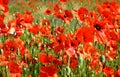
(1, 19)
(57, 8)
(59, 15)
(48, 11)
(4, 5)
(89, 49)
(43, 75)
(59, 42)
(94, 61)
(4, 2)
(49, 70)
(98, 26)
(12, 23)
(84, 35)
(27, 17)
(44, 59)
(15, 75)
(81, 13)
(63, 1)
(73, 63)
(57, 62)
(101, 37)
(10, 46)
(108, 71)
(60, 39)
(108, 16)
(112, 45)
(1, 45)
(67, 16)
(45, 22)
(117, 73)
(111, 35)
(58, 48)
(14, 67)
(111, 55)
(74, 43)
(19, 18)
(93, 15)
(59, 29)
(45, 31)
(71, 43)
(3, 27)
(23, 50)
(82, 10)
(35, 29)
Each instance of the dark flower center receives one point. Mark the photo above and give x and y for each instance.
(59, 40)
(12, 49)
(72, 44)
(97, 27)
(65, 16)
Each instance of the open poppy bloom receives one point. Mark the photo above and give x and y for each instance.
(14, 67)
(82, 35)
(4, 5)
(73, 63)
(48, 11)
(10, 46)
(59, 38)
(108, 71)
(47, 71)
(63, 1)
(3, 27)
(44, 59)
(118, 73)
(57, 8)
(67, 16)
(35, 29)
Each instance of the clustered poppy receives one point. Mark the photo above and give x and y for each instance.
(46, 50)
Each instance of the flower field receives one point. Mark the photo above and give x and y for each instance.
(59, 38)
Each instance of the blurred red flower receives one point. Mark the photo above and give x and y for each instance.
(57, 8)
(49, 70)
(45, 59)
(84, 34)
(63, 1)
(57, 62)
(73, 62)
(48, 11)
(35, 29)
(4, 5)
(117, 73)
(10, 46)
(14, 67)
(108, 71)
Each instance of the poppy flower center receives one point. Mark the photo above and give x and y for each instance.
(59, 40)
(97, 27)
(65, 16)
(72, 44)
(12, 49)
